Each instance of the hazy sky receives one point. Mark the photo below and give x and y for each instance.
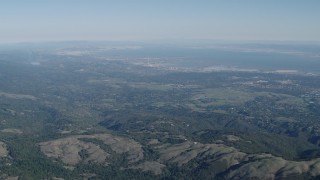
(43, 20)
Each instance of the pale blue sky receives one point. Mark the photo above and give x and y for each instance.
(46, 20)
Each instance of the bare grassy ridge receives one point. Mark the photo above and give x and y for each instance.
(266, 166)
(185, 152)
(17, 96)
(248, 166)
(12, 178)
(68, 149)
(122, 145)
(12, 130)
(232, 138)
(3, 150)
(152, 166)
(254, 166)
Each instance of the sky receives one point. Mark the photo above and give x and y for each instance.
(60, 20)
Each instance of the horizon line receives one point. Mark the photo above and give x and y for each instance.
(165, 40)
